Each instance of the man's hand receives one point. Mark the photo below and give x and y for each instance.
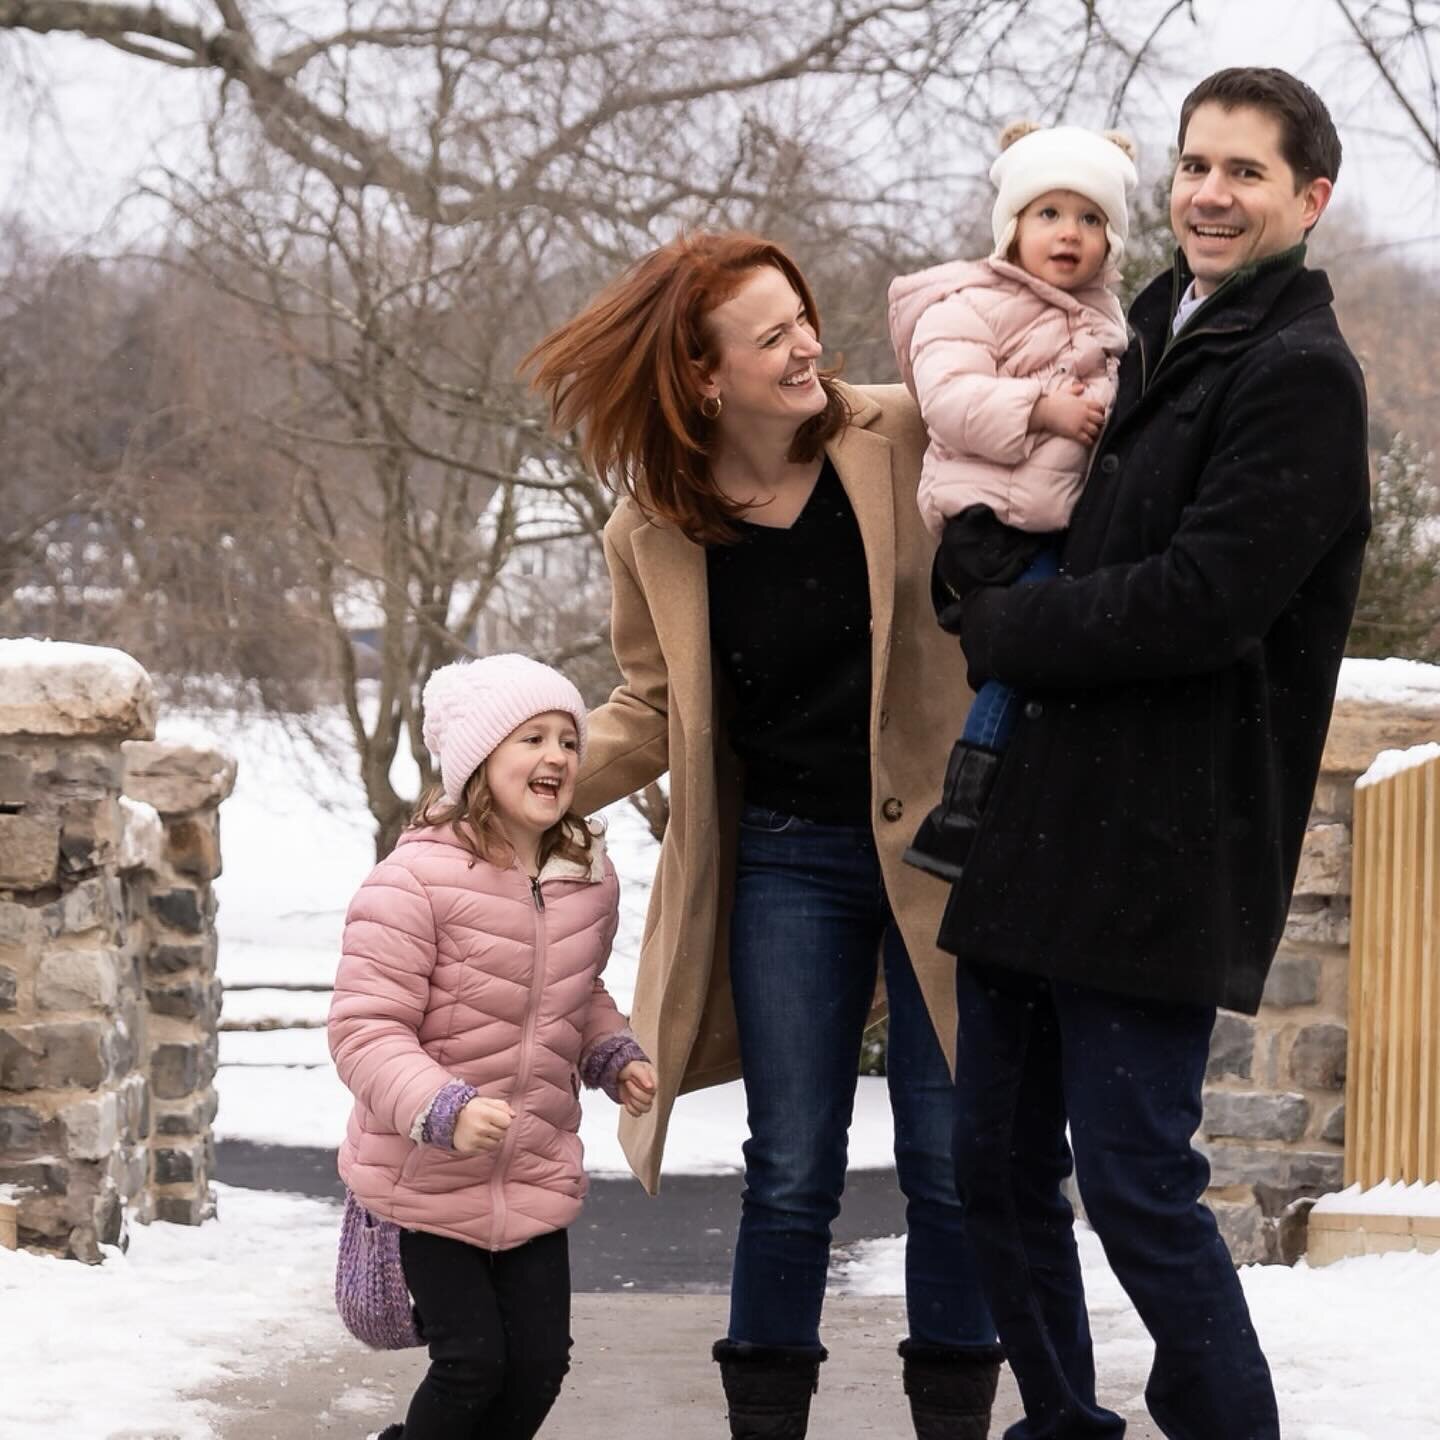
(637, 1086)
(1069, 412)
(482, 1125)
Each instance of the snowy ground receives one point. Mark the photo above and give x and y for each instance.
(1352, 1345)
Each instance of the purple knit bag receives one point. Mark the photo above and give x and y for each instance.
(370, 1290)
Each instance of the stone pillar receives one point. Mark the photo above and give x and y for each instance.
(182, 992)
(73, 1099)
(1274, 1125)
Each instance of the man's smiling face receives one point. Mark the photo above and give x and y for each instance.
(1234, 199)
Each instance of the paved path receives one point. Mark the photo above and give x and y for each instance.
(678, 1241)
(650, 1279)
(641, 1370)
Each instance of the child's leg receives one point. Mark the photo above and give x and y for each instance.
(991, 720)
(532, 1284)
(454, 1291)
(942, 844)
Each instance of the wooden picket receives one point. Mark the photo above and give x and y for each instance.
(1392, 1100)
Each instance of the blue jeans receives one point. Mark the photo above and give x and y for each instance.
(810, 920)
(1127, 1074)
(991, 720)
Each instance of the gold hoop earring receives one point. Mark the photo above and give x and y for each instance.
(707, 402)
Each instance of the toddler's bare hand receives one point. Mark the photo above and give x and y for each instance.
(637, 1086)
(482, 1125)
(1070, 412)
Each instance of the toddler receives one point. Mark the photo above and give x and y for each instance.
(1013, 360)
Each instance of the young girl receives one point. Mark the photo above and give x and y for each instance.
(468, 1008)
(1013, 360)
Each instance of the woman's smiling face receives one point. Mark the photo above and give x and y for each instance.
(767, 353)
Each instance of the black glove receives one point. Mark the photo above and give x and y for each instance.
(977, 549)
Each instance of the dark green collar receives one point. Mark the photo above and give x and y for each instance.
(1237, 280)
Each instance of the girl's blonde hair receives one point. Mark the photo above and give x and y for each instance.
(477, 827)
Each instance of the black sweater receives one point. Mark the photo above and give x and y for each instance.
(790, 628)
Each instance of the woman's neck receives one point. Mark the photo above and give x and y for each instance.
(757, 465)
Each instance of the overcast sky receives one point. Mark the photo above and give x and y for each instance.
(111, 113)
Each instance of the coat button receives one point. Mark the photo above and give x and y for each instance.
(892, 809)
(1110, 464)
(1033, 709)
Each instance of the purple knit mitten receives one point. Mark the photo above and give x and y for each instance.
(444, 1112)
(600, 1068)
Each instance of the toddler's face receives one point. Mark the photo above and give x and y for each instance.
(1061, 239)
(531, 774)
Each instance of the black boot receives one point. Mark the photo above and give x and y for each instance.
(951, 1390)
(768, 1389)
(942, 844)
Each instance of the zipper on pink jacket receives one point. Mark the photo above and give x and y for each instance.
(522, 1071)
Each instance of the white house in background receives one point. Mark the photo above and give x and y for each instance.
(553, 589)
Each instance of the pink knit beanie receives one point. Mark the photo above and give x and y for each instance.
(472, 705)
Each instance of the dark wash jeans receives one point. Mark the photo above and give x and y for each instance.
(497, 1323)
(810, 922)
(1127, 1075)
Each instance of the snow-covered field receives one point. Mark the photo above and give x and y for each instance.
(1352, 1345)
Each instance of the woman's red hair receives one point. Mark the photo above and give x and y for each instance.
(626, 372)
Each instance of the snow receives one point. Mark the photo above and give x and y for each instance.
(1392, 762)
(1409, 683)
(1351, 1354)
(142, 833)
(28, 653)
(148, 1348)
(1386, 1198)
(1348, 1345)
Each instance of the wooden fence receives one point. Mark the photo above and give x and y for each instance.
(1392, 1097)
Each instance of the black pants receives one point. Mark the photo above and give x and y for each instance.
(498, 1327)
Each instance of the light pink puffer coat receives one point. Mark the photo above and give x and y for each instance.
(460, 971)
(978, 343)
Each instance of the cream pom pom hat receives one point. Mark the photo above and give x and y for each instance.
(1064, 157)
(472, 705)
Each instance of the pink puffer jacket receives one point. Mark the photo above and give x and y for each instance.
(454, 969)
(978, 343)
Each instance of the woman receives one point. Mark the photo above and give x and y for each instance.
(771, 619)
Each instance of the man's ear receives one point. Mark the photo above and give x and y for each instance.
(1317, 195)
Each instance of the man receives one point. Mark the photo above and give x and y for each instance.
(1134, 865)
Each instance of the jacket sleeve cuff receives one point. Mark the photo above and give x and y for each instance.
(600, 1068)
(437, 1125)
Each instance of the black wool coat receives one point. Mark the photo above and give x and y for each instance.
(1145, 828)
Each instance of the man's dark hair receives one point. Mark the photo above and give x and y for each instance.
(1307, 134)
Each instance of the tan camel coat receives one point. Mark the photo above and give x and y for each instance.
(664, 717)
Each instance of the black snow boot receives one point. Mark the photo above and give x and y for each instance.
(768, 1389)
(942, 844)
(951, 1390)
(390, 1432)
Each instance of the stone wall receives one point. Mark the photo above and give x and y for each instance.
(108, 996)
(1274, 1125)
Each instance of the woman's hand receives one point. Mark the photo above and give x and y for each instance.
(1068, 411)
(482, 1125)
(637, 1086)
